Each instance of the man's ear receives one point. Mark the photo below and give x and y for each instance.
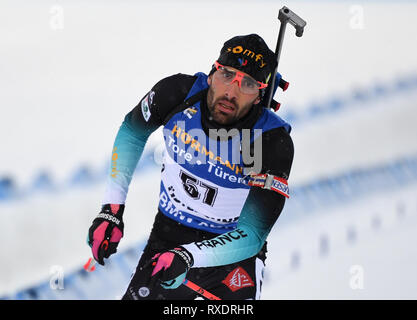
(257, 100)
(209, 79)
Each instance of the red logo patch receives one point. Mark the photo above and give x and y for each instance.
(238, 279)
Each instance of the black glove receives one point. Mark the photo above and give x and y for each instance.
(170, 267)
(106, 231)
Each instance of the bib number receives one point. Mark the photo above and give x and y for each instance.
(196, 188)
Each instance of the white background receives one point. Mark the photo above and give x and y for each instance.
(71, 70)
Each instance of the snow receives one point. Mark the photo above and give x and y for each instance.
(377, 234)
(66, 90)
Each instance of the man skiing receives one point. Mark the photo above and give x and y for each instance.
(217, 202)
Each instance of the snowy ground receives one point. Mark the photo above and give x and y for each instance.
(363, 250)
(70, 70)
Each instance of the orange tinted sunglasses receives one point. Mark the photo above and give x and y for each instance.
(246, 84)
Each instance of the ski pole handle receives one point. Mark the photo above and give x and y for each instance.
(285, 16)
(90, 266)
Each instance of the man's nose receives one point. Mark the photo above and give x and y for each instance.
(232, 90)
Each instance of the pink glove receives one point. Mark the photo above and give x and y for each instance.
(106, 231)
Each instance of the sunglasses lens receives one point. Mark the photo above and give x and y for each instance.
(249, 86)
(246, 84)
(227, 76)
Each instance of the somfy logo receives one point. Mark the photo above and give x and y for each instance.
(248, 53)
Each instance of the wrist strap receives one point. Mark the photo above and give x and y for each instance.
(185, 255)
(110, 218)
(270, 182)
(112, 213)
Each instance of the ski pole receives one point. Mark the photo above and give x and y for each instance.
(200, 290)
(285, 16)
(90, 267)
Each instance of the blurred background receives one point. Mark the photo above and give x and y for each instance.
(71, 70)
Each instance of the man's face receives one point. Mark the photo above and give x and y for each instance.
(226, 103)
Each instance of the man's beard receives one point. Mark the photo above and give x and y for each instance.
(224, 118)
